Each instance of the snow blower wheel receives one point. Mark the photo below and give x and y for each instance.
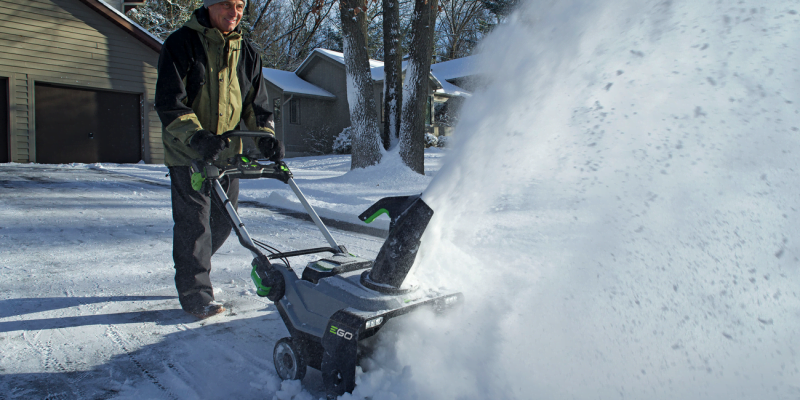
(289, 362)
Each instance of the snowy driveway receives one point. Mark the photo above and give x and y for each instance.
(88, 309)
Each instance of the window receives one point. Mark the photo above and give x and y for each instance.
(294, 111)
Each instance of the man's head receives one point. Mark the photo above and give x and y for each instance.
(225, 15)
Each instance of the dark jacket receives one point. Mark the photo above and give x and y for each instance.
(207, 80)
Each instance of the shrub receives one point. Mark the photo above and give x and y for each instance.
(343, 144)
(443, 140)
(430, 140)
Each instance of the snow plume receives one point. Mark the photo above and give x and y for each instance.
(620, 212)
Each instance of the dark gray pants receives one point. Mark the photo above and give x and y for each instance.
(201, 227)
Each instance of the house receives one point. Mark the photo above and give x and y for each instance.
(457, 79)
(77, 82)
(310, 104)
(462, 72)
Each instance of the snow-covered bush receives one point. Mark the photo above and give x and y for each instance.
(318, 140)
(442, 141)
(430, 140)
(343, 144)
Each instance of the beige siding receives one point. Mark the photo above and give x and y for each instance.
(66, 42)
(21, 128)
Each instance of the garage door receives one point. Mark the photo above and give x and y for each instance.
(87, 126)
(4, 113)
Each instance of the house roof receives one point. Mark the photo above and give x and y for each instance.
(450, 90)
(454, 69)
(447, 70)
(289, 82)
(122, 21)
(376, 67)
(378, 73)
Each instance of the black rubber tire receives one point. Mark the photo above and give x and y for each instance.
(290, 364)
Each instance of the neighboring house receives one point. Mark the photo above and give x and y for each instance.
(461, 72)
(310, 104)
(77, 82)
(452, 76)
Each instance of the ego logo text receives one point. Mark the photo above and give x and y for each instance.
(341, 333)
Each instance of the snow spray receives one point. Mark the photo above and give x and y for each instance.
(620, 211)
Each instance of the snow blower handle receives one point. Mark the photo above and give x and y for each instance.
(251, 134)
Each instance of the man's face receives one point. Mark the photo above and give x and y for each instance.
(226, 15)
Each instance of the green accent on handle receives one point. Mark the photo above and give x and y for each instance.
(197, 181)
(284, 168)
(261, 290)
(320, 266)
(376, 215)
(245, 159)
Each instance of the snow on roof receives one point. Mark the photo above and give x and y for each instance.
(289, 82)
(449, 70)
(379, 74)
(376, 67)
(448, 89)
(454, 69)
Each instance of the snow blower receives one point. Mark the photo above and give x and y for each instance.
(340, 300)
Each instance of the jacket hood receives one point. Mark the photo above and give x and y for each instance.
(201, 22)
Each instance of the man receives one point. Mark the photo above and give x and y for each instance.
(209, 80)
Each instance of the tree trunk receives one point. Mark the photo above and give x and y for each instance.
(392, 67)
(360, 97)
(412, 127)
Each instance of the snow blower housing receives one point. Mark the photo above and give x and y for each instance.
(338, 300)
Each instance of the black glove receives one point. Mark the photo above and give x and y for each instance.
(208, 144)
(271, 148)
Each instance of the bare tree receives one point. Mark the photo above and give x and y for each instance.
(415, 99)
(393, 74)
(162, 17)
(366, 139)
(461, 25)
(286, 32)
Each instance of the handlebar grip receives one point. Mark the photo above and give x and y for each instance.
(252, 134)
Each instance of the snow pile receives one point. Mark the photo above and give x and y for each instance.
(621, 212)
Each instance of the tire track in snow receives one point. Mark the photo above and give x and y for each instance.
(116, 337)
(51, 363)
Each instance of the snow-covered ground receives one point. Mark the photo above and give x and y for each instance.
(620, 210)
(88, 307)
(333, 194)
